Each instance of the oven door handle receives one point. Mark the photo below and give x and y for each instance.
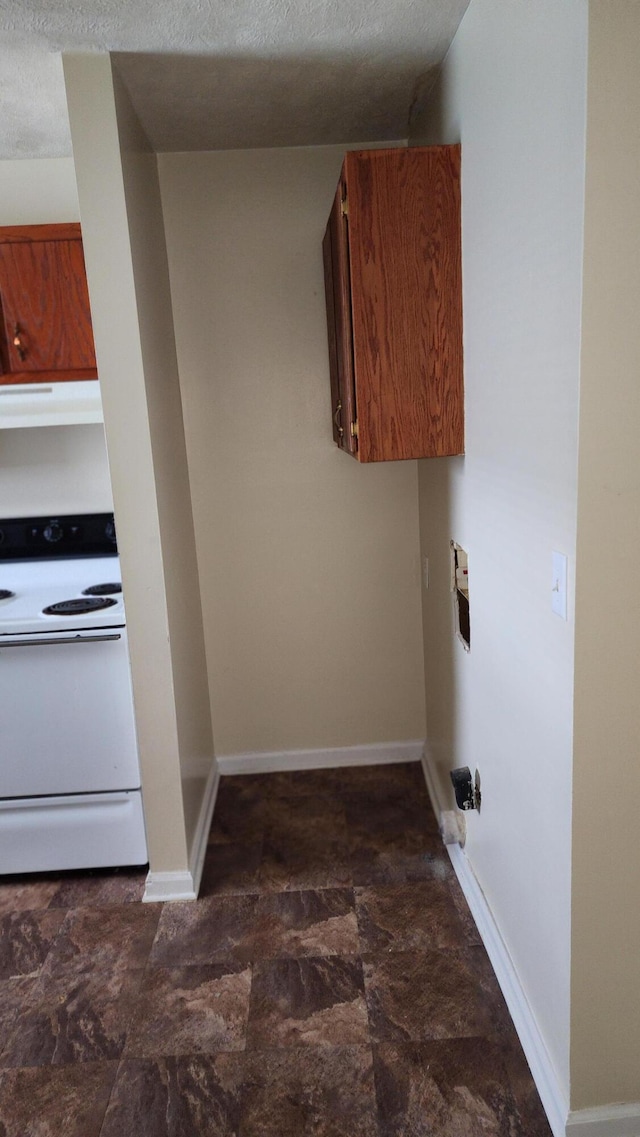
(50, 640)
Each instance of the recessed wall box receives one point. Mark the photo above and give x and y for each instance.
(460, 591)
(464, 788)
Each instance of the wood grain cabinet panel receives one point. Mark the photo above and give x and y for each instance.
(393, 280)
(45, 332)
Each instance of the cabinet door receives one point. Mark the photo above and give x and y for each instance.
(406, 302)
(335, 248)
(46, 318)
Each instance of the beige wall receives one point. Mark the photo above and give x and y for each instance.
(309, 562)
(55, 469)
(512, 90)
(129, 289)
(38, 191)
(605, 1018)
(172, 489)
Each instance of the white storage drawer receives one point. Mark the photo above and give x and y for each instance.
(88, 830)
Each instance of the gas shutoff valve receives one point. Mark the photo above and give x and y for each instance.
(466, 789)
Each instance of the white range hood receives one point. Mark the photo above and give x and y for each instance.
(50, 404)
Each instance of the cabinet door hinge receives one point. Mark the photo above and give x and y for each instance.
(354, 429)
(344, 207)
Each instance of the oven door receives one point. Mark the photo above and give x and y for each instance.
(66, 714)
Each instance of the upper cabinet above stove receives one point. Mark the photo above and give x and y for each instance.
(393, 280)
(46, 318)
(47, 358)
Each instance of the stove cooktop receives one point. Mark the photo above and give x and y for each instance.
(59, 574)
(38, 589)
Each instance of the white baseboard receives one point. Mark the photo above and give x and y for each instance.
(201, 835)
(277, 761)
(542, 1068)
(606, 1121)
(433, 789)
(161, 887)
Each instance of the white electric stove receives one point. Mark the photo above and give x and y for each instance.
(69, 774)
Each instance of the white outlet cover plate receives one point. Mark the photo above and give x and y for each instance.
(559, 584)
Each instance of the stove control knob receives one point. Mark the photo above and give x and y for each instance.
(52, 532)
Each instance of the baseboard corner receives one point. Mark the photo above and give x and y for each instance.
(161, 887)
(201, 836)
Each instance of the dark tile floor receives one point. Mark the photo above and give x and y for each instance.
(328, 983)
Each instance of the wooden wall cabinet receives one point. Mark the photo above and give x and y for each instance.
(393, 282)
(45, 327)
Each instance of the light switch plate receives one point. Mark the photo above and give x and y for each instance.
(559, 584)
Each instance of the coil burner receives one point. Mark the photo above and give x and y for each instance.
(78, 606)
(102, 590)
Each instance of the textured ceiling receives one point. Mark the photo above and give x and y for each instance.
(214, 74)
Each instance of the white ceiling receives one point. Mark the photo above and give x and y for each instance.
(215, 74)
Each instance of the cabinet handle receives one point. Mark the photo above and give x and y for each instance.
(17, 343)
(339, 428)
